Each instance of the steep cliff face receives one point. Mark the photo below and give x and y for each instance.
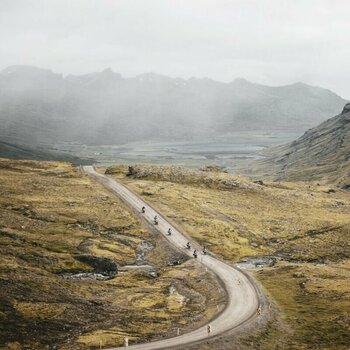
(322, 153)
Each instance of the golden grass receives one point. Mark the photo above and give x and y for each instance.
(315, 301)
(49, 213)
(305, 223)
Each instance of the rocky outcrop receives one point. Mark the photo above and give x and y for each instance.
(100, 265)
(346, 109)
(213, 179)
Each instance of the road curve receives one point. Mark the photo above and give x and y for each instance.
(243, 300)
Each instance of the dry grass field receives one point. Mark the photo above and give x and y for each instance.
(306, 226)
(62, 237)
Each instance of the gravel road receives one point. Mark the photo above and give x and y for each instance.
(242, 297)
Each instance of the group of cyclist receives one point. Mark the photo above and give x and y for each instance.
(188, 245)
(195, 253)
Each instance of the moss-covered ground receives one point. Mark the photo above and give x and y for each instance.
(50, 214)
(305, 225)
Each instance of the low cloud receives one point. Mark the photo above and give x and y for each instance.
(273, 42)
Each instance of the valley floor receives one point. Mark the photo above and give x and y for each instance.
(304, 227)
(62, 238)
(78, 268)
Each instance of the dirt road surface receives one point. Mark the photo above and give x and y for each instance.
(242, 297)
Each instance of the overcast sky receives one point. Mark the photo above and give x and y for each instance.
(274, 42)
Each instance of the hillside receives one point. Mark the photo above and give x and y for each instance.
(73, 257)
(11, 151)
(296, 233)
(77, 267)
(322, 153)
(38, 106)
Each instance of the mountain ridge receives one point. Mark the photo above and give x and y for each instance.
(20, 152)
(40, 106)
(30, 70)
(320, 154)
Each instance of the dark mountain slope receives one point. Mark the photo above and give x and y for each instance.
(11, 151)
(322, 153)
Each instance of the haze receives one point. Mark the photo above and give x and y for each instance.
(272, 42)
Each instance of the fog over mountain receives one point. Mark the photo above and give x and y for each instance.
(38, 106)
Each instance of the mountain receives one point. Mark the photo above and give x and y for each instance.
(322, 153)
(12, 151)
(38, 106)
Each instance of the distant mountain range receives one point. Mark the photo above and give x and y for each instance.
(39, 106)
(322, 153)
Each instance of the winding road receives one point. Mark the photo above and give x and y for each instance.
(242, 296)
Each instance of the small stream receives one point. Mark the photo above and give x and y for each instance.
(87, 276)
(256, 262)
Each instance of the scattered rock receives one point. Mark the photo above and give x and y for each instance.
(175, 262)
(146, 193)
(338, 204)
(131, 171)
(86, 276)
(330, 190)
(345, 187)
(256, 262)
(213, 169)
(141, 251)
(88, 226)
(152, 274)
(101, 265)
(259, 182)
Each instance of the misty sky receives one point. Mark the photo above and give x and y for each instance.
(274, 42)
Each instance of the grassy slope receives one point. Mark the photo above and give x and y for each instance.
(12, 151)
(49, 213)
(303, 223)
(321, 154)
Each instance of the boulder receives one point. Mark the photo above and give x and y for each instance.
(101, 265)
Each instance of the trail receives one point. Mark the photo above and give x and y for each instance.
(242, 297)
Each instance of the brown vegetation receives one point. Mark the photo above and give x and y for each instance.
(55, 223)
(305, 226)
